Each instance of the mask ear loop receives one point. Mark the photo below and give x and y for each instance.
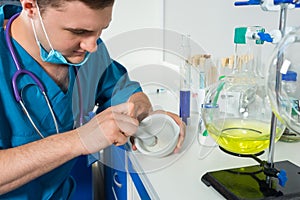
(43, 27)
(34, 32)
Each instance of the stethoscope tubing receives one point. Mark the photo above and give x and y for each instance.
(21, 71)
(8, 40)
(80, 99)
(14, 82)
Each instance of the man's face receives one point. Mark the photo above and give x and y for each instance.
(73, 29)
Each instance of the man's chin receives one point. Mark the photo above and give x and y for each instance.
(76, 60)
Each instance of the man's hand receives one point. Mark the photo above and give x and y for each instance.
(112, 126)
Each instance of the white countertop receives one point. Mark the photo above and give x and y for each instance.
(178, 176)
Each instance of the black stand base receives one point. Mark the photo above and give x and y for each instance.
(251, 183)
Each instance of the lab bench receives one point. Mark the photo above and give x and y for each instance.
(178, 176)
(182, 179)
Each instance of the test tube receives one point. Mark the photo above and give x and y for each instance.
(185, 80)
(202, 72)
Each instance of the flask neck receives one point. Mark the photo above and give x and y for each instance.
(247, 51)
(247, 59)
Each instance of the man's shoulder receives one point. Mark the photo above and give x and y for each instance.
(11, 2)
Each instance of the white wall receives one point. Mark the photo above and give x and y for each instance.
(209, 23)
(134, 14)
(128, 31)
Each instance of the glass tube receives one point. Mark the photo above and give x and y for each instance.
(185, 80)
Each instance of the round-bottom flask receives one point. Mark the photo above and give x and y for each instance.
(237, 114)
(236, 111)
(285, 59)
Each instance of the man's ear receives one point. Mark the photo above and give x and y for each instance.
(29, 6)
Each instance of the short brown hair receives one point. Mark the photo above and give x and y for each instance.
(93, 4)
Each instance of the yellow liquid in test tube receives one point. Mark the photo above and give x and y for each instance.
(242, 136)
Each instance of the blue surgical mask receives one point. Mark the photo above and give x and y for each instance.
(53, 56)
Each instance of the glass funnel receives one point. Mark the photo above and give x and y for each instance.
(236, 110)
(283, 86)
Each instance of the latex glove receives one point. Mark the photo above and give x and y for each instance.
(112, 126)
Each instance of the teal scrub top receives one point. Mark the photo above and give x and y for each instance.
(101, 79)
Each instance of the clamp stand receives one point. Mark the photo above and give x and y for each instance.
(251, 182)
(261, 181)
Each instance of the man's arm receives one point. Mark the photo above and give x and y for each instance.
(22, 164)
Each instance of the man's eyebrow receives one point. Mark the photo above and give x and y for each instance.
(83, 30)
(78, 30)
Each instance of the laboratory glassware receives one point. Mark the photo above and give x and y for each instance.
(236, 110)
(289, 84)
(262, 181)
(185, 80)
(285, 103)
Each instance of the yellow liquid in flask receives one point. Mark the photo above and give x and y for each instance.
(242, 136)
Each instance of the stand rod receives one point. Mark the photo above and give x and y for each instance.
(282, 26)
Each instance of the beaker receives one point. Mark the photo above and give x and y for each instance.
(237, 111)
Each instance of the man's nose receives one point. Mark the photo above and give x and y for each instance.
(89, 44)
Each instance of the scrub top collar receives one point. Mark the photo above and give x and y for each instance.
(27, 62)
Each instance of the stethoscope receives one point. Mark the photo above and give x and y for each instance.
(20, 71)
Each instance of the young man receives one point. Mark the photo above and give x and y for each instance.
(54, 46)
